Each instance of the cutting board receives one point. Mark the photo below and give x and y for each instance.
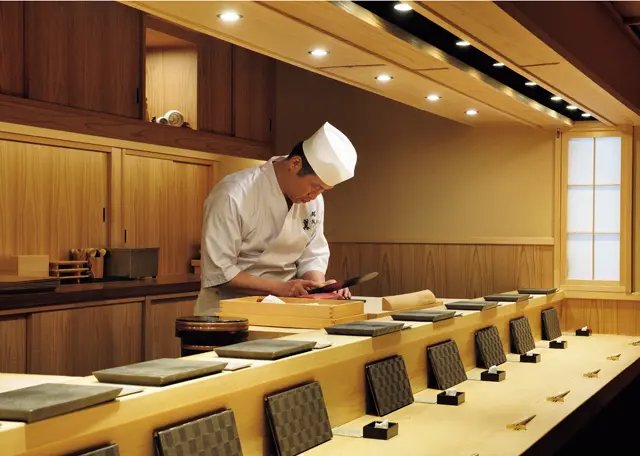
(47, 400)
(265, 349)
(159, 372)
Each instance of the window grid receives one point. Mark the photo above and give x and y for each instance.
(593, 233)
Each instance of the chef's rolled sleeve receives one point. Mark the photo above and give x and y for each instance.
(221, 239)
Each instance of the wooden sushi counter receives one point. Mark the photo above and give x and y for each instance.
(478, 426)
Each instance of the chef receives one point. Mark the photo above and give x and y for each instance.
(263, 227)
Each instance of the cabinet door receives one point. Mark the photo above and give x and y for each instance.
(12, 48)
(52, 199)
(253, 94)
(163, 207)
(80, 341)
(160, 325)
(214, 86)
(13, 345)
(84, 54)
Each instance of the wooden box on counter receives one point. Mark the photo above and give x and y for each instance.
(294, 313)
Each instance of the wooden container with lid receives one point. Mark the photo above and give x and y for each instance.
(200, 334)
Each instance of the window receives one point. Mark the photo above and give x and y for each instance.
(596, 211)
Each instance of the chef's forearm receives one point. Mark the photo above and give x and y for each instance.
(246, 281)
(316, 276)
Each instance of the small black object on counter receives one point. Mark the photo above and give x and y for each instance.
(369, 431)
(581, 332)
(532, 358)
(445, 399)
(487, 376)
(561, 344)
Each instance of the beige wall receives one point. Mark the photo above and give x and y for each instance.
(421, 178)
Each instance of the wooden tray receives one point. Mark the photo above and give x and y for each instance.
(294, 313)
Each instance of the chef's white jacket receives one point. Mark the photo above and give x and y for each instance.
(248, 227)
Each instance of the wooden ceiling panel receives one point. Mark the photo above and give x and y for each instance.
(490, 29)
(359, 47)
(411, 89)
(262, 30)
(497, 29)
(573, 86)
(362, 33)
(526, 110)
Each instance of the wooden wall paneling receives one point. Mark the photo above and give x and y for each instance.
(85, 55)
(51, 199)
(253, 94)
(163, 207)
(80, 341)
(115, 215)
(452, 271)
(602, 316)
(215, 85)
(12, 48)
(172, 82)
(47, 46)
(160, 325)
(13, 344)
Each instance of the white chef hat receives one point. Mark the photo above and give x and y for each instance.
(330, 154)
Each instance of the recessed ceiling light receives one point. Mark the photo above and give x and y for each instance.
(402, 7)
(572, 108)
(384, 78)
(318, 52)
(433, 97)
(556, 98)
(586, 114)
(530, 83)
(463, 43)
(471, 112)
(498, 64)
(229, 16)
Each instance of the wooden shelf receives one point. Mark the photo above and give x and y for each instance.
(46, 115)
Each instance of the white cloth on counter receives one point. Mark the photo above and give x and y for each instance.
(273, 300)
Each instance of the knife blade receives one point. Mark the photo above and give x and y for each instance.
(345, 284)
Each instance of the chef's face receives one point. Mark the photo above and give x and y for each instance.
(303, 187)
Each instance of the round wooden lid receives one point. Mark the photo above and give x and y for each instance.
(211, 323)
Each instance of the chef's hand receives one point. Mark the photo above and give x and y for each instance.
(343, 293)
(296, 287)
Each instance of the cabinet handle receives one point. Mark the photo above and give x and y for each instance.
(125, 236)
(104, 214)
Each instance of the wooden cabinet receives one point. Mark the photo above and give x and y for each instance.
(253, 95)
(84, 54)
(214, 86)
(163, 207)
(160, 324)
(52, 199)
(81, 340)
(12, 48)
(13, 345)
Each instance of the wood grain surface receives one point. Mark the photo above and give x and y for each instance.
(456, 271)
(13, 344)
(72, 342)
(12, 48)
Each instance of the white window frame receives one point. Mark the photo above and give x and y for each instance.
(561, 164)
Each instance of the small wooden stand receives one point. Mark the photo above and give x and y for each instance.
(69, 271)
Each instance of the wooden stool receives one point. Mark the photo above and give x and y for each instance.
(199, 334)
